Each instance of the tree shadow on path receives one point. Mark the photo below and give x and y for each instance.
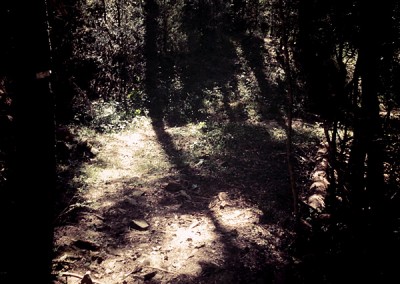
(249, 167)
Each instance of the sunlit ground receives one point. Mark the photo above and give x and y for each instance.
(129, 175)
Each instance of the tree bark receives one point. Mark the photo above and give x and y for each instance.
(367, 150)
(34, 173)
(155, 100)
(289, 112)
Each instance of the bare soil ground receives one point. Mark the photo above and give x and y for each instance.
(191, 204)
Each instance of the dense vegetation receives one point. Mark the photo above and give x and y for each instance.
(336, 63)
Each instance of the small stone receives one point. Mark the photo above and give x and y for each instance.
(137, 193)
(140, 224)
(222, 196)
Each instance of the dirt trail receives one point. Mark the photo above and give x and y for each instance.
(161, 204)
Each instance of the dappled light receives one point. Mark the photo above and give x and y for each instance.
(183, 240)
(157, 200)
(238, 218)
(199, 142)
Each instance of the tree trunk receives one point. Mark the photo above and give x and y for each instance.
(155, 100)
(34, 172)
(367, 151)
(289, 112)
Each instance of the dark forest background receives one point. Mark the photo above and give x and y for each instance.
(341, 62)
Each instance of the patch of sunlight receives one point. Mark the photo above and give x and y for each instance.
(187, 234)
(196, 128)
(238, 48)
(277, 134)
(242, 87)
(247, 84)
(315, 130)
(187, 242)
(134, 151)
(131, 139)
(106, 173)
(237, 218)
(189, 130)
(109, 174)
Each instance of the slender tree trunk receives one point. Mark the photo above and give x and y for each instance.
(289, 112)
(155, 100)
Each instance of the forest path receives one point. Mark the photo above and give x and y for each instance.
(200, 203)
(200, 196)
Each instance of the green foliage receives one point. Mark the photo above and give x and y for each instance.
(99, 53)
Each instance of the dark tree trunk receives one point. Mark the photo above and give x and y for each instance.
(366, 161)
(31, 214)
(369, 220)
(289, 112)
(155, 100)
